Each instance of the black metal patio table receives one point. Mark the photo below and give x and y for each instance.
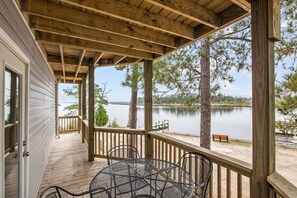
(144, 177)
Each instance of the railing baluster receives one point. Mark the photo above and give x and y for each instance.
(239, 185)
(228, 172)
(219, 180)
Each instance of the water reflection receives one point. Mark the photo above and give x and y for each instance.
(233, 121)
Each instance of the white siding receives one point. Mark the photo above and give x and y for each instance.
(41, 94)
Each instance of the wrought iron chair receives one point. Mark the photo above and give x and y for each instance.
(59, 192)
(204, 170)
(122, 152)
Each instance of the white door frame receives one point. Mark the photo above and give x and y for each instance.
(10, 45)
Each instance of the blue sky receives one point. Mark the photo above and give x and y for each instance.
(241, 87)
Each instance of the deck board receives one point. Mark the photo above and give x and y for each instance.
(68, 165)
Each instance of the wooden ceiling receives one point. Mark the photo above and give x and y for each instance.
(113, 32)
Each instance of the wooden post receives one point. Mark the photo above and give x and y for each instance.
(57, 109)
(263, 100)
(148, 106)
(13, 109)
(91, 111)
(84, 104)
(79, 107)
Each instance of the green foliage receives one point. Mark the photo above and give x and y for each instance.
(8, 119)
(229, 48)
(101, 117)
(114, 124)
(134, 76)
(286, 103)
(99, 94)
(191, 99)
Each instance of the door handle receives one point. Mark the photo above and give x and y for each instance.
(26, 154)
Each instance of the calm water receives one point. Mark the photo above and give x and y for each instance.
(233, 121)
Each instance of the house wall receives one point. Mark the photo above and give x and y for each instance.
(41, 93)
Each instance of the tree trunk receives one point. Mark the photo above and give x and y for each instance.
(205, 94)
(133, 110)
(132, 123)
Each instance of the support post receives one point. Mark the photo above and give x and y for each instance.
(13, 109)
(263, 100)
(148, 106)
(91, 111)
(57, 109)
(84, 105)
(79, 107)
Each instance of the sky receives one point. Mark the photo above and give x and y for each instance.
(242, 86)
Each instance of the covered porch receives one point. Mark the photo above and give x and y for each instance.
(76, 37)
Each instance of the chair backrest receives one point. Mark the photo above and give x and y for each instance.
(202, 171)
(122, 152)
(58, 192)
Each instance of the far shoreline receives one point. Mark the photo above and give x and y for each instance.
(183, 105)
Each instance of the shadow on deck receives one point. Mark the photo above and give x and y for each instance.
(68, 165)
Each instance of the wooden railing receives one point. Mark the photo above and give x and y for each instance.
(106, 138)
(68, 124)
(10, 137)
(83, 128)
(230, 176)
(281, 187)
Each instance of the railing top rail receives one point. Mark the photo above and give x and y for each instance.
(72, 116)
(9, 125)
(282, 186)
(239, 166)
(119, 130)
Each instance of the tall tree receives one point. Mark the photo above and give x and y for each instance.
(132, 80)
(204, 66)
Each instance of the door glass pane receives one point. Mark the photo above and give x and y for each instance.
(12, 132)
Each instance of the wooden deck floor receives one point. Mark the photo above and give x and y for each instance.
(68, 165)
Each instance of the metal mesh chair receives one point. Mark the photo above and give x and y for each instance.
(122, 152)
(203, 168)
(58, 192)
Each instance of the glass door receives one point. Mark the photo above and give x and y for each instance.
(12, 134)
(13, 125)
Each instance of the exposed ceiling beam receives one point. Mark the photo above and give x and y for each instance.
(68, 74)
(90, 46)
(74, 16)
(190, 10)
(118, 59)
(62, 60)
(96, 58)
(110, 62)
(81, 58)
(133, 14)
(67, 60)
(67, 29)
(243, 4)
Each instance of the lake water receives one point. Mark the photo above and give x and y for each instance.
(233, 121)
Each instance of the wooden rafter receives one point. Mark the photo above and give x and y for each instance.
(91, 46)
(62, 61)
(67, 29)
(136, 15)
(68, 74)
(118, 59)
(96, 59)
(190, 10)
(81, 58)
(67, 60)
(74, 16)
(243, 4)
